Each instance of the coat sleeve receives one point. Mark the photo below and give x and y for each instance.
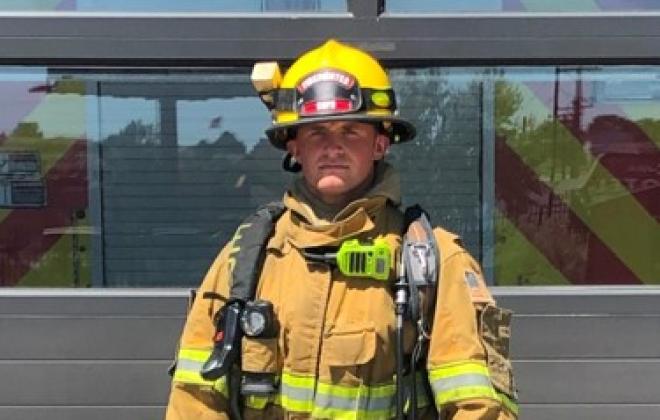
(191, 396)
(468, 365)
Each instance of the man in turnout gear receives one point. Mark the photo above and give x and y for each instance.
(331, 351)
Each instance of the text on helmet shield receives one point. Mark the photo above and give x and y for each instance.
(343, 79)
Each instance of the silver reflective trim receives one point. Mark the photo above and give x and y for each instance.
(467, 379)
(364, 403)
(189, 365)
(297, 393)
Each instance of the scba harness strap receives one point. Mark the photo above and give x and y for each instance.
(418, 265)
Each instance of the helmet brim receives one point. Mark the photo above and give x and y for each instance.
(402, 130)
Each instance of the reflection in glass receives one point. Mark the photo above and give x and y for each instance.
(137, 178)
(533, 6)
(175, 5)
(550, 175)
(176, 185)
(445, 107)
(126, 179)
(577, 177)
(44, 218)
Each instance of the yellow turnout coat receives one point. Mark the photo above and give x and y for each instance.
(334, 356)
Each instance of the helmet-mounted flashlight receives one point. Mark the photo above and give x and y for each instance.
(266, 78)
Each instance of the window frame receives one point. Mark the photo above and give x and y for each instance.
(145, 39)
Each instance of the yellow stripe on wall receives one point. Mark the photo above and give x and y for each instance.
(649, 111)
(55, 267)
(516, 256)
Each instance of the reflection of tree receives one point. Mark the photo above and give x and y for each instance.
(29, 130)
(575, 167)
(263, 167)
(651, 127)
(440, 169)
(526, 161)
(507, 102)
(253, 178)
(226, 146)
(170, 200)
(136, 133)
(425, 100)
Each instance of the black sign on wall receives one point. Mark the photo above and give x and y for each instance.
(21, 184)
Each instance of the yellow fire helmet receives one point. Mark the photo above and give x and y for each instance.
(332, 82)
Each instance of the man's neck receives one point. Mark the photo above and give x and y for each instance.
(325, 209)
(342, 200)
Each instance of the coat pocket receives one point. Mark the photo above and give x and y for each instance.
(349, 348)
(495, 331)
(259, 355)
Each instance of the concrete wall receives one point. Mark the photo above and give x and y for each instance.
(579, 353)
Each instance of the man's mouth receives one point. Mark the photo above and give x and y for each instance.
(333, 166)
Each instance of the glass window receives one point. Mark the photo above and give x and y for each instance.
(124, 178)
(414, 6)
(175, 5)
(551, 175)
(175, 184)
(577, 175)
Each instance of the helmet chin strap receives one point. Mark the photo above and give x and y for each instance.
(290, 164)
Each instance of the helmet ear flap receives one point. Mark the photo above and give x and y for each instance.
(384, 128)
(290, 164)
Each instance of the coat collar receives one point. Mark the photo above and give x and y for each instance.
(301, 227)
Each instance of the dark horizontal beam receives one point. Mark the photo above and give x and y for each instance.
(222, 39)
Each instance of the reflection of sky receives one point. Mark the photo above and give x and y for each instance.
(443, 5)
(114, 114)
(16, 101)
(28, 4)
(171, 5)
(246, 118)
(200, 5)
(520, 5)
(71, 115)
(22, 99)
(167, 5)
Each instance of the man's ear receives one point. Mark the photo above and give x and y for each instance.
(381, 144)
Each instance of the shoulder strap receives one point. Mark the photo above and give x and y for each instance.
(250, 243)
(421, 258)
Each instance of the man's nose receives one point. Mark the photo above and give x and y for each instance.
(333, 143)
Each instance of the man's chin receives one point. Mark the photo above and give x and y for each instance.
(331, 184)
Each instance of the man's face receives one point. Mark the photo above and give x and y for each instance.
(338, 157)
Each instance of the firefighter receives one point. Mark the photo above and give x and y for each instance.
(333, 352)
